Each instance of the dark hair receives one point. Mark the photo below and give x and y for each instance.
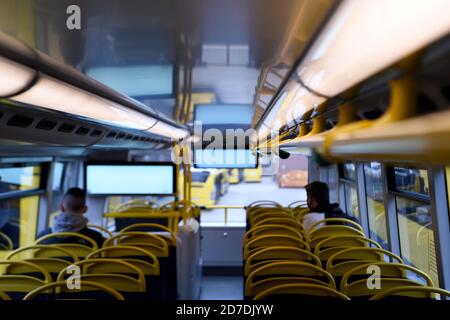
(319, 191)
(75, 199)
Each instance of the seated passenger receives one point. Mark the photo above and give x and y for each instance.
(72, 219)
(318, 200)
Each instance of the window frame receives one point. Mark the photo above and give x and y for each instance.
(342, 183)
(43, 183)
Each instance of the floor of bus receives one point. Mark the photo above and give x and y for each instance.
(219, 287)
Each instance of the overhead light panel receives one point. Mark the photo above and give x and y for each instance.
(13, 77)
(58, 96)
(366, 36)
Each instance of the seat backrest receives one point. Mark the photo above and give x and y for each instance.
(6, 242)
(347, 259)
(272, 229)
(4, 296)
(344, 241)
(285, 221)
(336, 221)
(81, 249)
(255, 218)
(296, 291)
(279, 253)
(386, 270)
(143, 226)
(61, 288)
(20, 277)
(265, 284)
(114, 273)
(42, 251)
(133, 255)
(333, 231)
(105, 231)
(289, 269)
(361, 290)
(273, 241)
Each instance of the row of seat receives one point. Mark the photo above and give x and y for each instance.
(333, 260)
(133, 264)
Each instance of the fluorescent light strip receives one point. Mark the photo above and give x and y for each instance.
(13, 77)
(362, 38)
(166, 130)
(55, 95)
(366, 36)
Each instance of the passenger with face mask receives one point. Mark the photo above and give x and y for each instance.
(318, 200)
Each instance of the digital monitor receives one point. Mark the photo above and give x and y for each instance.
(225, 159)
(140, 81)
(212, 114)
(130, 178)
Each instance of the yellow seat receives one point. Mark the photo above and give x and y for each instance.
(391, 271)
(414, 292)
(42, 251)
(61, 287)
(287, 269)
(6, 242)
(343, 261)
(336, 221)
(265, 284)
(253, 220)
(273, 241)
(344, 241)
(310, 290)
(114, 273)
(130, 254)
(285, 221)
(271, 229)
(329, 246)
(105, 231)
(20, 277)
(171, 237)
(273, 254)
(80, 250)
(318, 235)
(144, 240)
(4, 296)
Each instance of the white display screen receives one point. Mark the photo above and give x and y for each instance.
(225, 158)
(210, 114)
(136, 81)
(130, 179)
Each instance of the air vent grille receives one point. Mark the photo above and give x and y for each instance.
(82, 131)
(20, 121)
(66, 128)
(96, 133)
(46, 125)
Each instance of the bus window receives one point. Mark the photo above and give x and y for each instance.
(18, 220)
(333, 183)
(348, 183)
(58, 176)
(414, 220)
(20, 178)
(375, 204)
(18, 213)
(412, 180)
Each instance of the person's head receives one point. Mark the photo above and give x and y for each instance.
(74, 201)
(318, 195)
